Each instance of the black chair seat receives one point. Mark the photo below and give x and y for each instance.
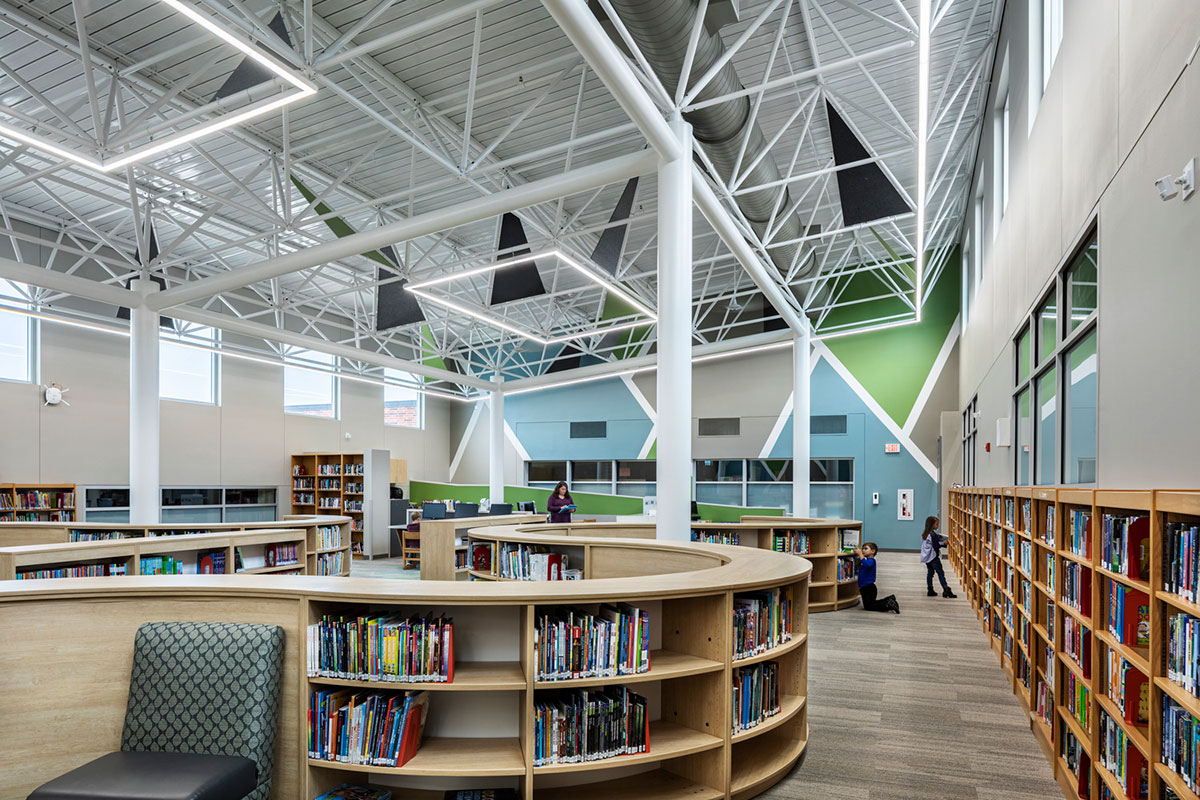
(142, 775)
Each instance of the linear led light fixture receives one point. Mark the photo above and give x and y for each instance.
(924, 30)
(304, 89)
(419, 287)
(124, 332)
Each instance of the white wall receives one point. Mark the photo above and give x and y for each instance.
(246, 440)
(1120, 110)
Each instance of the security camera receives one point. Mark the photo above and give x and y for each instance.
(1166, 187)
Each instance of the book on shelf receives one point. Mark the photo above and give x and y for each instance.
(211, 563)
(570, 643)
(1027, 517)
(755, 694)
(584, 725)
(331, 563)
(761, 621)
(160, 565)
(383, 648)
(1043, 702)
(1049, 537)
(480, 794)
(1128, 615)
(1125, 545)
(76, 571)
(1123, 760)
(329, 537)
(1182, 555)
(1078, 700)
(1077, 587)
(1079, 541)
(717, 537)
(1180, 742)
(1078, 762)
(521, 562)
(789, 541)
(1129, 689)
(348, 791)
(370, 729)
(1183, 652)
(280, 555)
(847, 569)
(93, 536)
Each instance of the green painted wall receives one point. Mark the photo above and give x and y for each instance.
(588, 503)
(892, 364)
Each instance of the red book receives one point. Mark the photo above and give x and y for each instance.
(1137, 549)
(414, 726)
(1135, 767)
(1085, 592)
(1137, 619)
(1135, 709)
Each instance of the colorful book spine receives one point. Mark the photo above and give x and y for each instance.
(331, 563)
(1182, 557)
(1079, 541)
(847, 569)
(1077, 643)
(1124, 761)
(755, 695)
(160, 565)
(1077, 587)
(794, 542)
(1078, 700)
(1183, 652)
(1125, 545)
(382, 648)
(303, 498)
(1128, 615)
(329, 537)
(376, 729)
(761, 621)
(78, 571)
(1180, 742)
(1049, 537)
(718, 537)
(571, 644)
(574, 727)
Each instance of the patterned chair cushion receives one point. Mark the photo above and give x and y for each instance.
(207, 687)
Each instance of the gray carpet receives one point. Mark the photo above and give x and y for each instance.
(914, 707)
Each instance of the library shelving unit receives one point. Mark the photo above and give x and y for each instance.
(37, 502)
(1092, 626)
(322, 545)
(481, 726)
(828, 543)
(353, 484)
(442, 543)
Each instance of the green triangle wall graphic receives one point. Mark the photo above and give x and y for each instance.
(893, 364)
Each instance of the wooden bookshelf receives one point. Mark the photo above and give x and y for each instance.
(348, 484)
(38, 502)
(480, 729)
(980, 557)
(827, 592)
(440, 540)
(325, 541)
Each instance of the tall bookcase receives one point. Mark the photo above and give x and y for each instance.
(354, 484)
(1079, 633)
(830, 544)
(37, 502)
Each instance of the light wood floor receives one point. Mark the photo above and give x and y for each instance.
(914, 707)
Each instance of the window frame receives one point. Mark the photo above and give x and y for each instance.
(179, 339)
(396, 374)
(1058, 358)
(32, 333)
(335, 383)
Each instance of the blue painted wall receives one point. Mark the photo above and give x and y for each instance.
(542, 421)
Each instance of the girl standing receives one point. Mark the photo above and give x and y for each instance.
(931, 549)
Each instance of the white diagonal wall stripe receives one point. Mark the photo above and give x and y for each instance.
(466, 439)
(644, 451)
(522, 453)
(905, 440)
(931, 379)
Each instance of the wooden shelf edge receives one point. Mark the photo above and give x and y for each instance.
(789, 706)
(673, 741)
(797, 641)
(678, 665)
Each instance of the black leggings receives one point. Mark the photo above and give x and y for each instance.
(932, 567)
(870, 593)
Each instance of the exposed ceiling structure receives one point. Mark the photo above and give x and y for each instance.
(336, 175)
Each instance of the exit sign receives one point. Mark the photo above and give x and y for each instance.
(891, 448)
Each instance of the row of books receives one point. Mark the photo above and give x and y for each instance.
(1048, 538)
(36, 499)
(1025, 557)
(1181, 552)
(44, 515)
(352, 505)
(521, 562)
(331, 563)
(1043, 702)
(1049, 573)
(847, 569)
(1181, 742)
(303, 498)
(717, 537)
(1077, 587)
(94, 536)
(329, 537)
(1183, 651)
(353, 487)
(375, 729)
(280, 555)
(849, 539)
(1128, 615)
(1079, 538)
(794, 542)
(354, 469)
(761, 621)
(1125, 762)
(1078, 699)
(77, 571)
(1027, 517)
(329, 469)
(383, 648)
(302, 483)
(1125, 545)
(211, 563)
(327, 484)
(331, 503)
(160, 565)
(570, 643)
(589, 725)
(755, 694)
(349, 791)
(1129, 689)
(1078, 762)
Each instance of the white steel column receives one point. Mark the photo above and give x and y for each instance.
(801, 411)
(674, 389)
(496, 445)
(144, 499)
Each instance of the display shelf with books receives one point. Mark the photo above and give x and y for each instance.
(829, 544)
(350, 484)
(37, 502)
(1116, 577)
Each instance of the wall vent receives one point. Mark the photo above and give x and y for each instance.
(720, 426)
(827, 424)
(589, 430)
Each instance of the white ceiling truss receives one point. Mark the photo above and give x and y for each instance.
(430, 119)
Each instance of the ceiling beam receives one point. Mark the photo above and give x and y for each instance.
(67, 284)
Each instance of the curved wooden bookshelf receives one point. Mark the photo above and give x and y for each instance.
(480, 728)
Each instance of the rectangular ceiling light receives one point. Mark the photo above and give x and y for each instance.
(302, 89)
(420, 289)
(924, 31)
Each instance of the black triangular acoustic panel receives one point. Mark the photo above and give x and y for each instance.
(393, 305)
(570, 357)
(608, 250)
(519, 281)
(866, 192)
(250, 72)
